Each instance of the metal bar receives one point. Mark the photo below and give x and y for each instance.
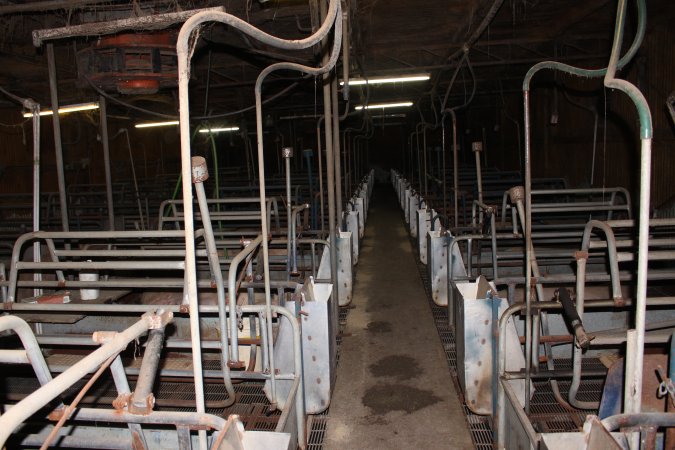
(102, 265)
(37, 254)
(199, 175)
(142, 400)
(287, 154)
(122, 386)
(294, 244)
(232, 294)
(103, 111)
(30, 345)
(58, 149)
(336, 150)
(14, 357)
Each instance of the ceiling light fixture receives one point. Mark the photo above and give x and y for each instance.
(388, 80)
(384, 105)
(66, 109)
(218, 130)
(156, 124)
(389, 116)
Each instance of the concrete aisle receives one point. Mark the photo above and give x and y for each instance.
(393, 388)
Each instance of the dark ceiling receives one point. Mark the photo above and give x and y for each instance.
(387, 37)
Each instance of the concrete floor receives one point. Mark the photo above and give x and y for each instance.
(393, 387)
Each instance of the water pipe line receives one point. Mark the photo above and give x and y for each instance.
(633, 393)
(336, 151)
(287, 154)
(330, 175)
(618, 63)
(199, 175)
(184, 54)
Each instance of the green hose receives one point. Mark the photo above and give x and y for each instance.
(595, 73)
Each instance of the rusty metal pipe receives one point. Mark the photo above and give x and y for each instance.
(142, 399)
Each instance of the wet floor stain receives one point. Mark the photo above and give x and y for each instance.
(374, 420)
(383, 398)
(398, 366)
(379, 327)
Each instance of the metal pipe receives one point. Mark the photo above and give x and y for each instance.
(39, 398)
(249, 248)
(500, 414)
(346, 47)
(307, 153)
(635, 359)
(320, 161)
(455, 166)
(14, 357)
(330, 185)
(294, 237)
(30, 345)
(336, 151)
(37, 254)
(142, 401)
(103, 111)
(477, 148)
(656, 419)
(58, 149)
(287, 154)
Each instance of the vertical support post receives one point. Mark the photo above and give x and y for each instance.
(308, 154)
(426, 170)
(35, 109)
(319, 157)
(455, 169)
(58, 149)
(527, 231)
(330, 184)
(190, 289)
(443, 174)
(477, 148)
(287, 154)
(336, 150)
(106, 161)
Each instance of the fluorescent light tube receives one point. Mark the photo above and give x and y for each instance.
(384, 105)
(389, 116)
(388, 80)
(66, 109)
(218, 130)
(157, 124)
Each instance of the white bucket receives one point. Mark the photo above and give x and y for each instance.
(89, 294)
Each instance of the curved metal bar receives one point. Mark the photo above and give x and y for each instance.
(30, 344)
